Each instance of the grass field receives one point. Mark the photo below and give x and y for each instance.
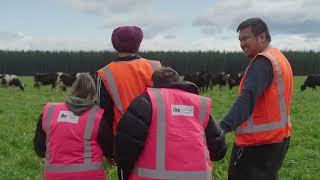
(19, 112)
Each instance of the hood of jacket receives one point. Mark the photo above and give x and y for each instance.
(78, 105)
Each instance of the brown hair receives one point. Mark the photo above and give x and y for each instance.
(84, 87)
(163, 76)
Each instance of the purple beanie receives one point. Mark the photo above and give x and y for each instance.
(127, 39)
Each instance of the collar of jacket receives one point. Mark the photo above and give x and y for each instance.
(181, 85)
(126, 58)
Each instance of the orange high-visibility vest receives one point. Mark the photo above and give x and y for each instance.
(270, 120)
(124, 80)
(176, 146)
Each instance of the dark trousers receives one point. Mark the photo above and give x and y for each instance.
(260, 162)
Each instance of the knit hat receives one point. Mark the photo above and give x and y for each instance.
(127, 39)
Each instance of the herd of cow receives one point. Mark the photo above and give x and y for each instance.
(58, 80)
(204, 80)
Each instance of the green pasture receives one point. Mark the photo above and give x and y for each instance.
(19, 113)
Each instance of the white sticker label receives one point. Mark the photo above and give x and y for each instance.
(182, 110)
(68, 116)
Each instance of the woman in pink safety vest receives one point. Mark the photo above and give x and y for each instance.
(168, 133)
(72, 135)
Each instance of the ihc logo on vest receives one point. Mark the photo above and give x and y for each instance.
(67, 116)
(182, 110)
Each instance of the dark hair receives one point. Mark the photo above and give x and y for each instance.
(163, 76)
(257, 25)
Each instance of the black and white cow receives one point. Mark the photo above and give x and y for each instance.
(11, 80)
(65, 80)
(312, 81)
(45, 79)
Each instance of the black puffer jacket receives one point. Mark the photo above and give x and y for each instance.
(133, 130)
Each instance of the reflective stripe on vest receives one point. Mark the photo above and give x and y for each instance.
(154, 65)
(88, 164)
(251, 128)
(112, 84)
(160, 172)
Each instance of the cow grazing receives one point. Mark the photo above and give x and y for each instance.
(45, 79)
(11, 80)
(220, 79)
(205, 79)
(65, 80)
(312, 81)
(198, 78)
(235, 79)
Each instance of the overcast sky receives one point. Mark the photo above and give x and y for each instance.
(167, 24)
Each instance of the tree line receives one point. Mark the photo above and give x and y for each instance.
(30, 62)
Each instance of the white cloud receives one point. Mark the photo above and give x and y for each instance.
(128, 12)
(293, 24)
(296, 42)
(151, 25)
(107, 7)
(298, 16)
(21, 41)
(181, 44)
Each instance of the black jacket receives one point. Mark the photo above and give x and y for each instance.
(133, 130)
(77, 106)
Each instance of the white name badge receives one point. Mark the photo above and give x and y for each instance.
(68, 116)
(182, 110)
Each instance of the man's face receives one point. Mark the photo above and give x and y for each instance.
(249, 43)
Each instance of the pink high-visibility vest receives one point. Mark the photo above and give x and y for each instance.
(176, 146)
(72, 149)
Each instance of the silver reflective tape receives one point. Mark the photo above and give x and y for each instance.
(161, 130)
(48, 122)
(88, 133)
(154, 65)
(203, 109)
(205, 150)
(113, 89)
(99, 82)
(263, 127)
(280, 85)
(202, 115)
(73, 167)
(176, 175)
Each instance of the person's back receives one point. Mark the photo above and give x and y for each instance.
(126, 76)
(168, 133)
(71, 132)
(125, 80)
(176, 146)
(73, 151)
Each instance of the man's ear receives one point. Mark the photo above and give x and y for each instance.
(262, 37)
